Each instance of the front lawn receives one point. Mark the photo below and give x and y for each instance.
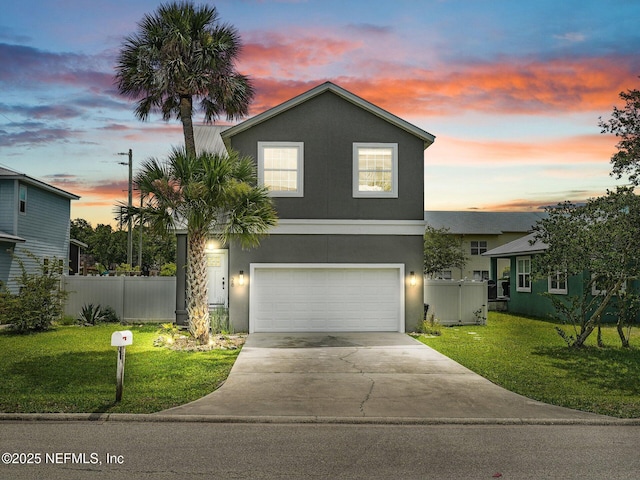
(73, 369)
(528, 357)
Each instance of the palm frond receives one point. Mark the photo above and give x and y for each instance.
(178, 50)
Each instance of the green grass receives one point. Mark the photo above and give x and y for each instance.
(528, 357)
(73, 369)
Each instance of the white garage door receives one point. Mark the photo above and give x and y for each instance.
(326, 298)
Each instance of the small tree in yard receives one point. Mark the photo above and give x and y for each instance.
(441, 251)
(600, 240)
(40, 300)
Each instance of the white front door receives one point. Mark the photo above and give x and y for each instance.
(217, 275)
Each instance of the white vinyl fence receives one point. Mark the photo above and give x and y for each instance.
(134, 299)
(456, 302)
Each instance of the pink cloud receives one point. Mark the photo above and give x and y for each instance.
(280, 64)
(289, 55)
(578, 149)
(539, 203)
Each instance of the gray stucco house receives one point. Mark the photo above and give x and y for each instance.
(347, 179)
(35, 218)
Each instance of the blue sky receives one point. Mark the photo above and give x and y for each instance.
(512, 90)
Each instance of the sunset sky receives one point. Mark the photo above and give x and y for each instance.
(512, 90)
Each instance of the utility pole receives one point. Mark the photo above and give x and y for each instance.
(130, 203)
(140, 232)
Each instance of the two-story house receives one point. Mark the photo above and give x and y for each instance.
(34, 218)
(347, 178)
(479, 232)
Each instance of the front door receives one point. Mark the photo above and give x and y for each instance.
(217, 275)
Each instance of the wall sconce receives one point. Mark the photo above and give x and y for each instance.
(412, 279)
(241, 278)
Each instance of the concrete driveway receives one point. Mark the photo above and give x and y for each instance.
(361, 376)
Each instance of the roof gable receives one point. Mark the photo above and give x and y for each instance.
(526, 245)
(425, 136)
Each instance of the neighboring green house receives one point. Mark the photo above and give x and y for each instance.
(480, 232)
(35, 218)
(526, 293)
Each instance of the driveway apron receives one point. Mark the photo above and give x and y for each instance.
(351, 375)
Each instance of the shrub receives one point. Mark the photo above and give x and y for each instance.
(40, 299)
(90, 315)
(430, 326)
(109, 315)
(220, 320)
(168, 270)
(94, 314)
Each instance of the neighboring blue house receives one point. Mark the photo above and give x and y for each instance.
(35, 218)
(347, 180)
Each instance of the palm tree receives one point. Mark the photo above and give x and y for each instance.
(213, 195)
(180, 54)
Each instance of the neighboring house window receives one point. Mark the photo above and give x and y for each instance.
(481, 275)
(478, 247)
(558, 283)
(22, 202)
(281, 168)
(596, 290)
(445, 275)
(523, 269)
(375, 170)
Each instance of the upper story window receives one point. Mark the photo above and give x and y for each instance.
(375, 170)
(281, 168)
(478, 247)
(523, 272)
(22, 200)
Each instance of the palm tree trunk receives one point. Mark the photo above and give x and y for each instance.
(197, 304)
(186, 111)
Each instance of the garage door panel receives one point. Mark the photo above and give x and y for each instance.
(325, 299)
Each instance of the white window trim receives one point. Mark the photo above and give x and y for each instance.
(394, 171)
(300, 171)
(558, 291)
(518, 287)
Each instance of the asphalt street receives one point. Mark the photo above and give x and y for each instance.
(188, 450)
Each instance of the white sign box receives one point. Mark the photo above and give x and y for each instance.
(121, 338)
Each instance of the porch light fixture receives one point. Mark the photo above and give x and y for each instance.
(412, 279)
(241, 278)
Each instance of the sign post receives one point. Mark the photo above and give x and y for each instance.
(121, 339)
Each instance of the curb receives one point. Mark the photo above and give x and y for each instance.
(164, 418)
